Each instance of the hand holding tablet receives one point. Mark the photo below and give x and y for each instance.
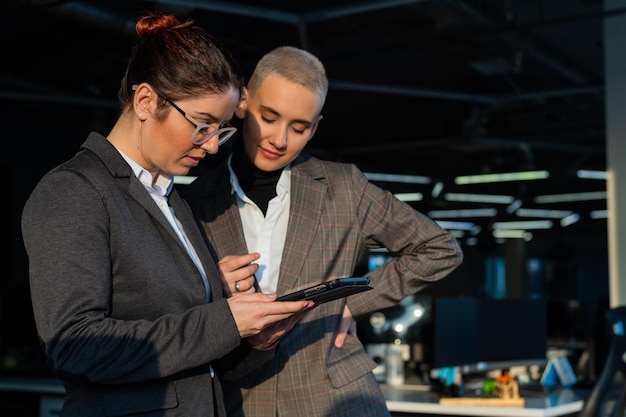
(330, 290)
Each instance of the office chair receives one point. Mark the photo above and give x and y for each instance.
(608, 396)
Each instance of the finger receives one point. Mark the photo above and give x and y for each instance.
(244, 276)
(344, 328)
(246, 285)
(230, 277)
(243, 273)
(283, 310)
(347, 325)
(341, 337)
(254, 312)
(234, 262)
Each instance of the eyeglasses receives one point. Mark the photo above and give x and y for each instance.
(203, 132)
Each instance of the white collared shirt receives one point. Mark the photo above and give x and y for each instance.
(159, 191)
(265, 234)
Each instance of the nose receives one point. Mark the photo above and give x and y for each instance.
(211, 146)
(279, 139)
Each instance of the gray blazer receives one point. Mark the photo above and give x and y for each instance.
(335, 213)
(120, 307)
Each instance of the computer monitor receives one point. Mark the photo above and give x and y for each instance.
(483, 334)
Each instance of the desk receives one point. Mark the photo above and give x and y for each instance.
(406, 400)
(409, 400)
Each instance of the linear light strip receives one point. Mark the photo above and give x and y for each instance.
(404, 179)
(479, 198)
(437, 189)
(409, 196)
(501, 177)
(512, 234)
(525, 225)
(599, 214)
(455, 225)
(459, 234)
(592, 175)
(571, 219)
(514, 206)
(453, 214)
(552, 214)
(566, 198)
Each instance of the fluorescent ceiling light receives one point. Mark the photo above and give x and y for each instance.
(592, 175)
(563, 198)
(459, 234)
(479, 198)
(571, 219)
(551, 214)
(599, 214)
(512, 234)
(502, 177)
(437, 189)
(525, 225)
(514, 206)
(183, 179)
(409, 196)
(405, 179)
(455, 214)
(455, 225)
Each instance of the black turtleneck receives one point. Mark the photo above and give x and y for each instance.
(258, 185)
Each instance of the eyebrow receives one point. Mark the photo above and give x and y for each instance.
(208, 116)
(274, 112)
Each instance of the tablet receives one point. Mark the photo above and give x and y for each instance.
(330, 290)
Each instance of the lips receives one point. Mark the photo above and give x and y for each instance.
(269, 154)
(195, 160)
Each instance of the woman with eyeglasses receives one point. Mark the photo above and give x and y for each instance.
(127, 299)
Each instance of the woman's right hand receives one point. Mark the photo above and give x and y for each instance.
(269, 337)
(254, 312)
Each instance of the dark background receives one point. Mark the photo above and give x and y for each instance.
(430, 88)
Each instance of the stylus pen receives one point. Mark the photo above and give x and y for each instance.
(256, 284)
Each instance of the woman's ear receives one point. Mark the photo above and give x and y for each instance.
(144, 101)
(240, 111)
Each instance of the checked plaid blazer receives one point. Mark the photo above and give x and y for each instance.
(335, 213)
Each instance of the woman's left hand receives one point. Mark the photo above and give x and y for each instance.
(347, 326)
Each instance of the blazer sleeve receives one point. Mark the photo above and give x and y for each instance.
(115, 297)
(423, 252)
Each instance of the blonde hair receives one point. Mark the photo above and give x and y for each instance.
(296, 65)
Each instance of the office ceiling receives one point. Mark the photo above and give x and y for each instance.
(424, 88)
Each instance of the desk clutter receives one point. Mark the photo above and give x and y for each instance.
(413, 400)
(482, 402)
(501, 391)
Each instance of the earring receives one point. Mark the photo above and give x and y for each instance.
(140, 114)
(140, 135)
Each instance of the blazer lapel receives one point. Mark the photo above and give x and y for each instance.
(220, 216)
(139, 193)
(308, 193)
(121, 171)
(222, 225)
(194, 236)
